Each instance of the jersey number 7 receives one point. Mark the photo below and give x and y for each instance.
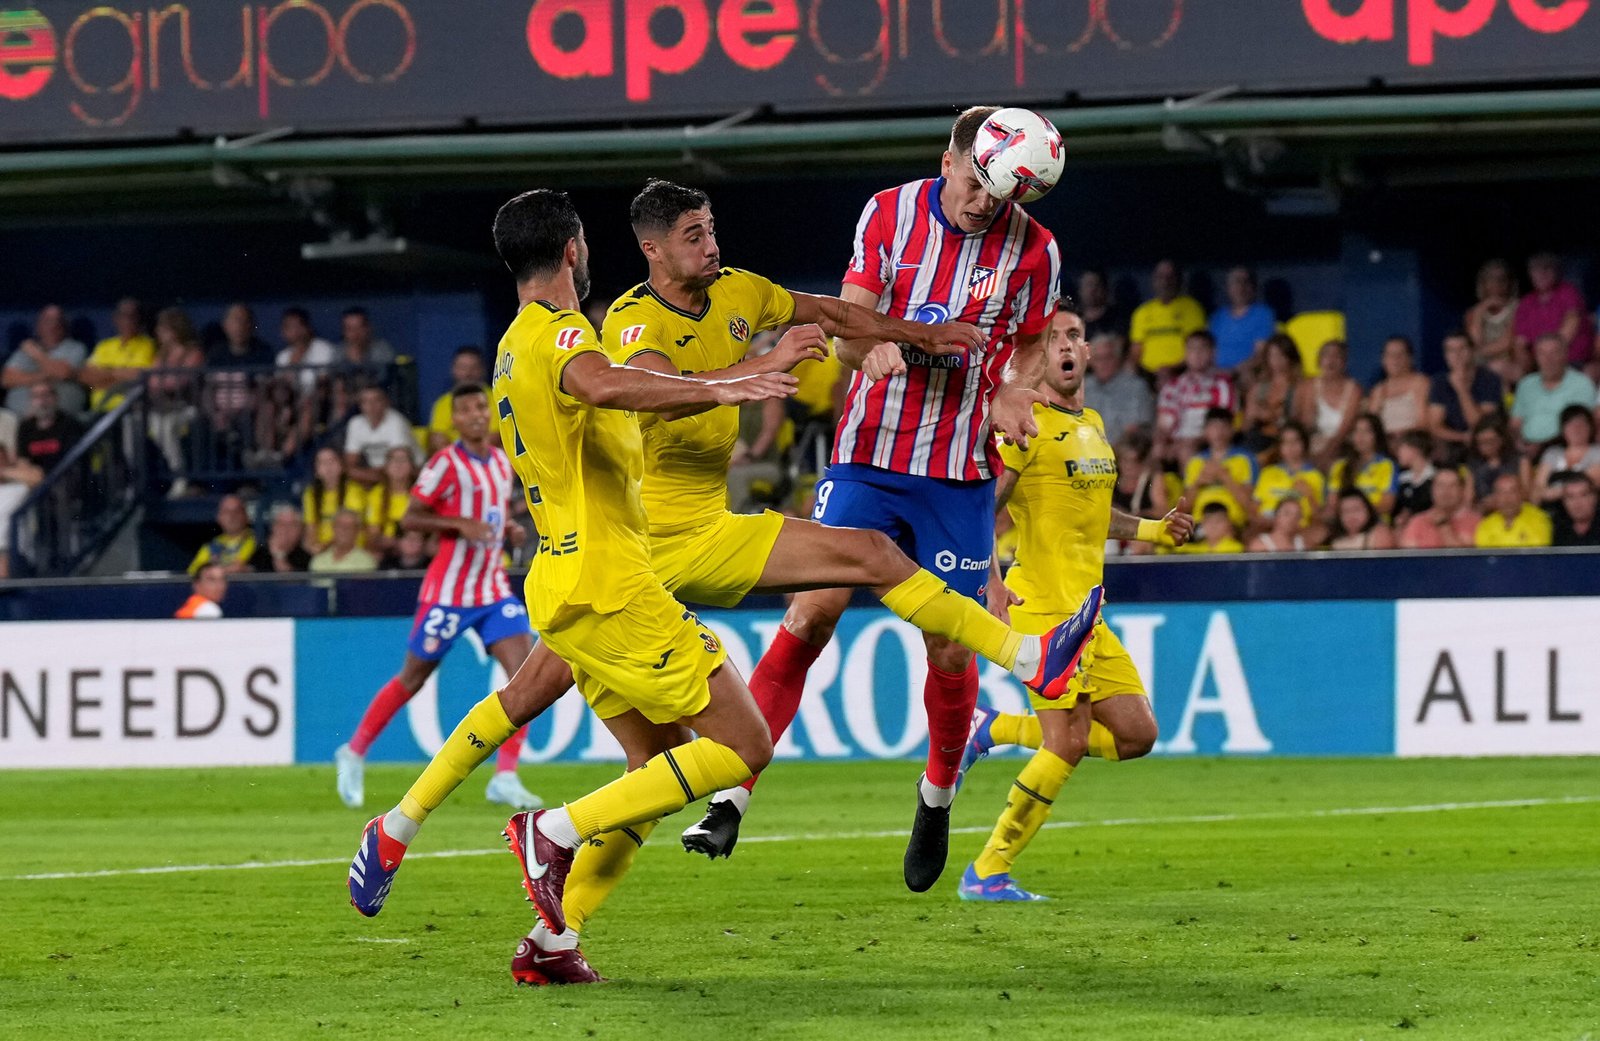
(516, 435)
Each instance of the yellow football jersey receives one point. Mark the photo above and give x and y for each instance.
(580, 468)
(686, 460)
(1062, 508)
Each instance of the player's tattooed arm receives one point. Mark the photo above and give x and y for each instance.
(593, 380)
(851, 321)
(801, 343)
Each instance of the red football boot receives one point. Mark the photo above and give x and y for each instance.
(534, 967)
(544, 867)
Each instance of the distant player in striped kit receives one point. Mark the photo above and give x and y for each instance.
(462, 496)
(915, 453)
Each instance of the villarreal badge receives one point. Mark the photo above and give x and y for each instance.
(712, 646)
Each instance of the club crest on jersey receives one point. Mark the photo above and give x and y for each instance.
(631, 334)
(739, 329)
(982, 283)
(568, 338)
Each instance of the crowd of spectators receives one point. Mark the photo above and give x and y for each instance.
(224, 411)
(1222, 411)
(1272, 455)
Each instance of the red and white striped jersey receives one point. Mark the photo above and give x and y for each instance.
(456, 483)
(933, 420)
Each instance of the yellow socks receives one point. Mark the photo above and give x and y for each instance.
(665, 784)
(1102, 743)
(1027, 807)
(1009, 729)
(930, 605)
(599, 869)
(474, 739)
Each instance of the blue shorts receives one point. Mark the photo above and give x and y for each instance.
(438, 626)
(945, 526)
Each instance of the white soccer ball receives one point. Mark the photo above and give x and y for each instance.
(1018, 155)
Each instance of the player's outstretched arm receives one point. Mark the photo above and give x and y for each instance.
(851, 321)
(801, 343)
(593, 380)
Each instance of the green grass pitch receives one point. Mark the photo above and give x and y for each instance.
(1193, 900)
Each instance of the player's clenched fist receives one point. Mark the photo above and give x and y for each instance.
(801, 343)
(754, 388)
(883, 361)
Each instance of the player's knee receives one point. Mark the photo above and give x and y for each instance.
(756, 750)
(880, 560)
(810, 624)
(947, 655)
(1071, 745)
(1136, 740)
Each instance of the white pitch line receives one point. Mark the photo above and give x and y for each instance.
(1114, 822)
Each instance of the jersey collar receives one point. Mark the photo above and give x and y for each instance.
(704, 309)
(461, 446)
(1062, 408)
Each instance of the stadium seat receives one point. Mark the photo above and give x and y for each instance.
(1310, 330)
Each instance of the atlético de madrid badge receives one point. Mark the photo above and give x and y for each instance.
(981, 284)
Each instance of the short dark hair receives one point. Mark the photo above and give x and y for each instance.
(1220, 414)
(300, 313)
(660, 203)
(469, 348)
(1203, 335)
(357, 312)
(965, 131)
(1572, 412)
(200, 572)
(1067, 305)
(1214, 508)
(1421, 440)
(466, 390)
(531, 232)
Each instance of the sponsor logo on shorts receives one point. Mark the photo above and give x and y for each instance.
(513, 610)
(945, 560)
(430, 644)
(712, 645)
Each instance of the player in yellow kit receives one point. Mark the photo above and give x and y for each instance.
(704, 553)
(1059, 492)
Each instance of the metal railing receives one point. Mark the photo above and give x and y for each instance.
(80, 506)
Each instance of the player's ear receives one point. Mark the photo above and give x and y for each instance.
(947, 165)
(571, 252)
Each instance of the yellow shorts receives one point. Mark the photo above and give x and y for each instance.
(719, 563)
(653, 655)
(1106, 671)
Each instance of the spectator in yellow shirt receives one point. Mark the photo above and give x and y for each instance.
(1514, 521)
(387, 500)
(1221, 472)
(1163, 323)
(1291, 477)
(330, 491)
(234, 547)
(465, 367)
(1367, 466)
(1217, 533)
(118, 359)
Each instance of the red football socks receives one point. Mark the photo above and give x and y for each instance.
(391, 699)
(949, 698)
(778, 682)
(506, 758)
